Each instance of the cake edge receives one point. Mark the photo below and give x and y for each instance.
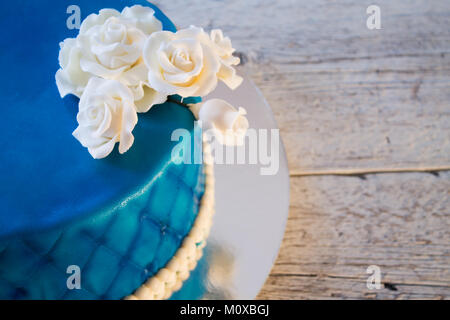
(170, 278)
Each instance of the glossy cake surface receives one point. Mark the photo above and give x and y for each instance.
(120, 219)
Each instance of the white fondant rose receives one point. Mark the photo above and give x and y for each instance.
(225, 50)
(143, 17)
(106, 115)
(229, 124)
(70, 79)
(182, 63)
(110, 46)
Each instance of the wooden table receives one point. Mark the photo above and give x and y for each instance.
(365, 117)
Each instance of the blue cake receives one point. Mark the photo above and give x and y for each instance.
(99, 200)
(121, 219)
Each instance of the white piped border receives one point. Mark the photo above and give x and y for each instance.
(170, 278)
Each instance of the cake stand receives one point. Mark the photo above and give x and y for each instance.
(251, 213)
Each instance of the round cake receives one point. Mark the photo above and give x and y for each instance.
(107, 181)
(128, 225)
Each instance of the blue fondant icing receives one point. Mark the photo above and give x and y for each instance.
(116, 250)
(120, 219)
(185, 101)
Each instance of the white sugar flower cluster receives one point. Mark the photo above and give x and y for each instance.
(122, 63)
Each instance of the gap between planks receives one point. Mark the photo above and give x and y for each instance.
(358, 172)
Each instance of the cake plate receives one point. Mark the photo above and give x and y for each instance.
(251, 212)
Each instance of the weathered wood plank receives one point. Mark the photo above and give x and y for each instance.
(311, 287)
(345, 97)
(338, 226)
(349, 100)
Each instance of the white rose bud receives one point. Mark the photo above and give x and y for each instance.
(143, 17)
(228, 123)
(106, 115)
(224, 49)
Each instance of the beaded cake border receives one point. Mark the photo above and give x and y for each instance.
(170, 278)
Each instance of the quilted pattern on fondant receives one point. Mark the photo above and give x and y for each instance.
(116, 250)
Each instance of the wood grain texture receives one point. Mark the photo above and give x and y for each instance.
(349, 100)
(344, 96)
(338, 226)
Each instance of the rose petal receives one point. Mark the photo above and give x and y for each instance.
(149, 99)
